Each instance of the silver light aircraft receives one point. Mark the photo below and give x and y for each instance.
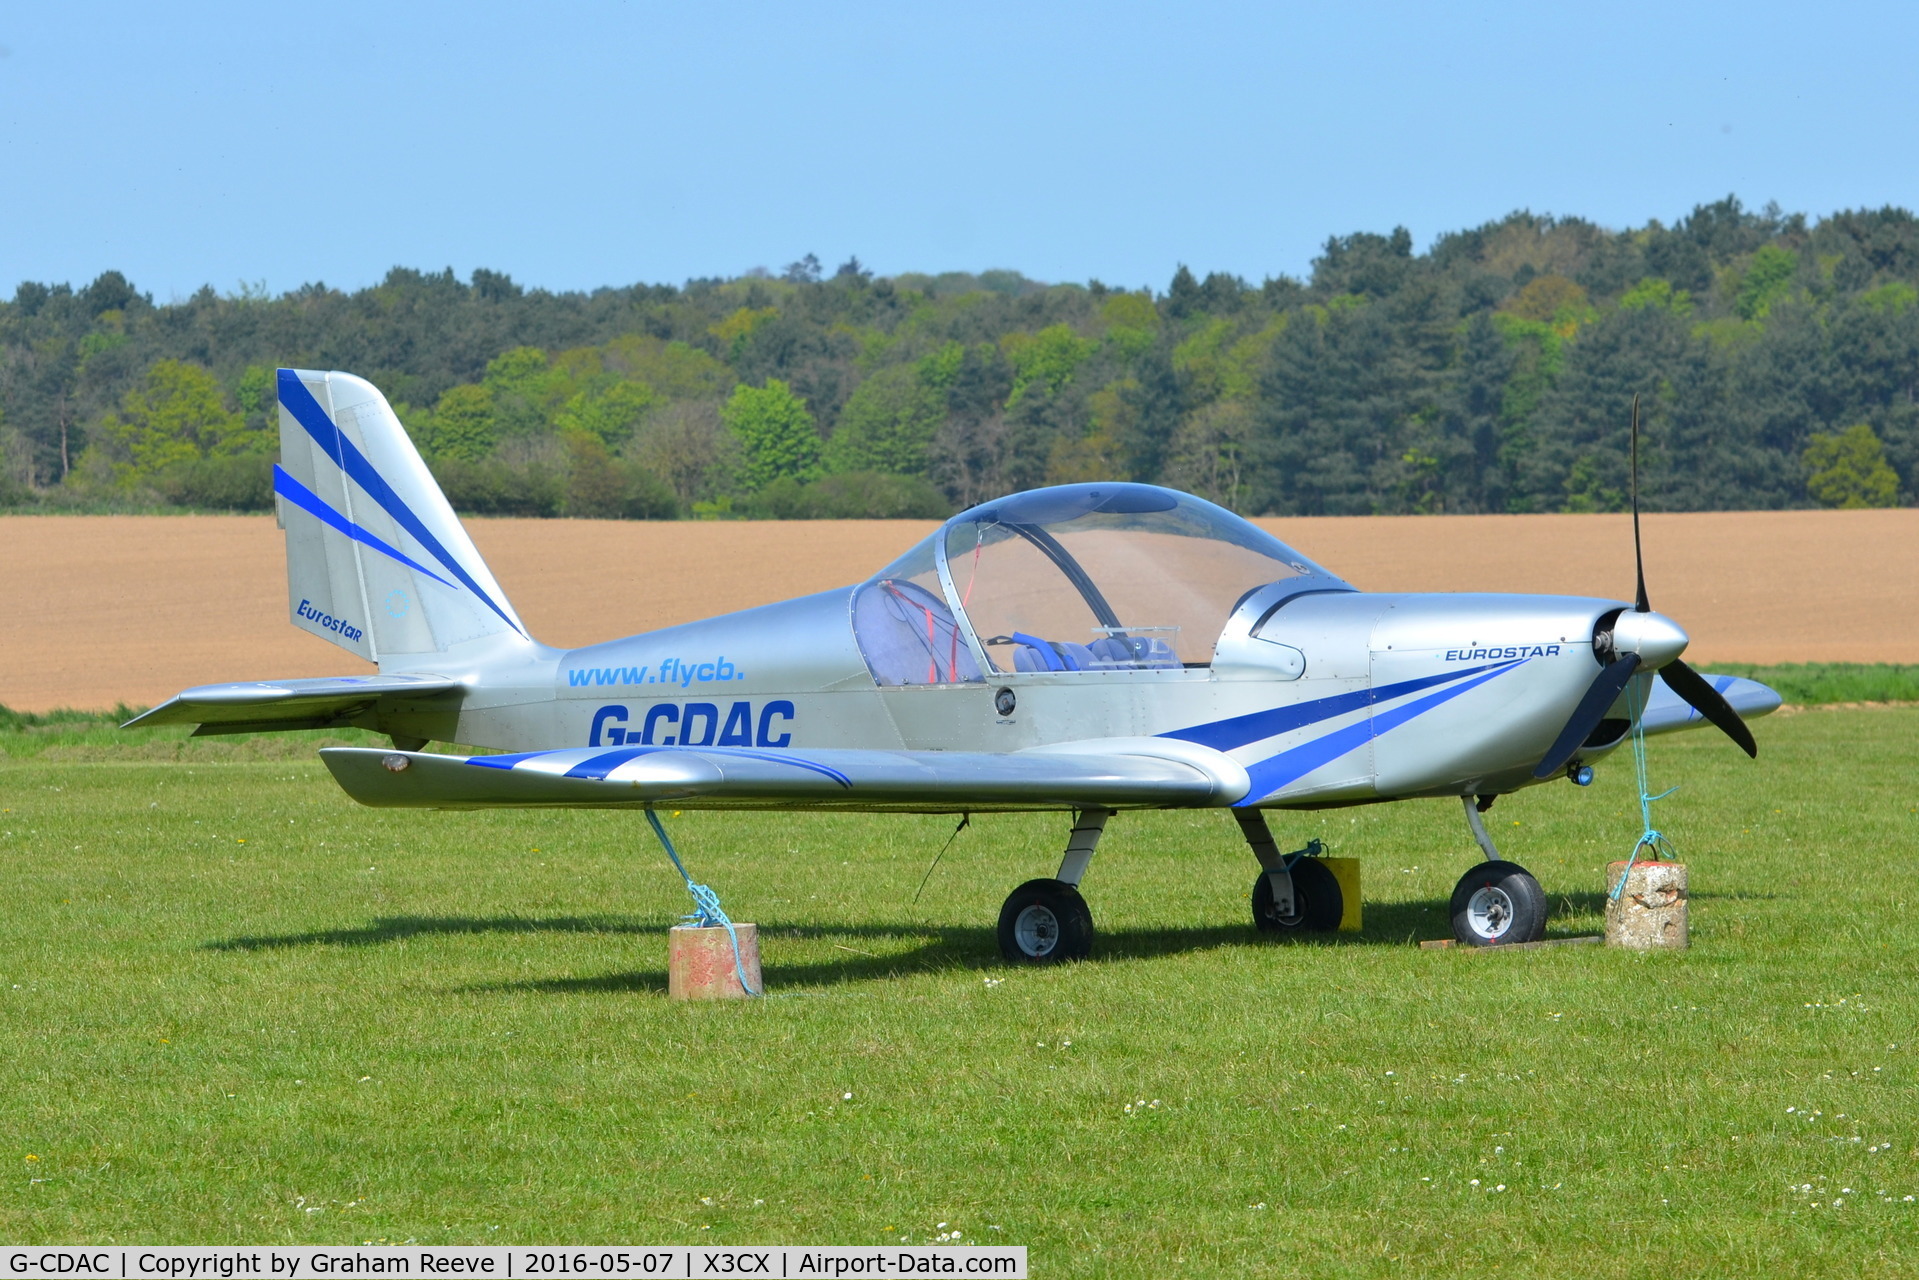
(1085, 648)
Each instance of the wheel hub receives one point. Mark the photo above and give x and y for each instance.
(1037, 931)
(1490, 911)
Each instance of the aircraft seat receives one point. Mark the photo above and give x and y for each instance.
(907, 636)
(1031, 653)
(1109, 653)
(1133, 652)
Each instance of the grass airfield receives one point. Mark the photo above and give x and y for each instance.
(241, 1009)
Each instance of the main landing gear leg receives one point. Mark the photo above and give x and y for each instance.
(1497, 902)
(1046, 921)
(1294, 891)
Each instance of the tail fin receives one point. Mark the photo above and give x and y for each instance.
(376, 560)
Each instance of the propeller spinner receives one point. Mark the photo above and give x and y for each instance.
(1639, 639)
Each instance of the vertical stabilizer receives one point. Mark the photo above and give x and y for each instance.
(376, 560)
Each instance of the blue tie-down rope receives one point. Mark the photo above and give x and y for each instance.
(1638, 693)
(706, 904)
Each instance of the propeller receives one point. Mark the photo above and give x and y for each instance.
(1619, 668)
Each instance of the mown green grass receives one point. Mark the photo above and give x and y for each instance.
(238, 1008)
(1825, 683)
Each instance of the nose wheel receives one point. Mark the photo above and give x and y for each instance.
(1498, 903)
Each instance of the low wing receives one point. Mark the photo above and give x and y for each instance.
(1112, 774)
(291, 704)
(1665, 712)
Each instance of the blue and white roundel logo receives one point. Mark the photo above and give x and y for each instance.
(397, 604)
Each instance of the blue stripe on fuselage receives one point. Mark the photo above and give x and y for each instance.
(1289, 766)
(1225, 735)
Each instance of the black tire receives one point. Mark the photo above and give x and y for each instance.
(1497, 904)
(1045, 922)
(1318, 902)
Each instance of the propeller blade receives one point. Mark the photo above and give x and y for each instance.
(1600, 695)
(1640, 603)
(1706, 700)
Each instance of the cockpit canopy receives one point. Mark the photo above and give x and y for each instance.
(1080, 577)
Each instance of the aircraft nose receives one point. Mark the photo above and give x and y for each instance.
(1656, 638)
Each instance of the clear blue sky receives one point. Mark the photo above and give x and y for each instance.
(576, 145)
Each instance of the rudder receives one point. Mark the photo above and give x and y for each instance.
(376, 560)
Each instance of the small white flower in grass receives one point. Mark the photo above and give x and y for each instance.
(846, 1097)
(1475, 1182)
(1500, 1187)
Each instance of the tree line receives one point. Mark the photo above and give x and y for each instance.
(1776, 357)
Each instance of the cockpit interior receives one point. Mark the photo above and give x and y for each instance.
(1097, 577)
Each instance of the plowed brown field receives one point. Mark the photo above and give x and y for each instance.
(100, 610)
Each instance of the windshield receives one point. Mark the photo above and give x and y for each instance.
(1091, 577)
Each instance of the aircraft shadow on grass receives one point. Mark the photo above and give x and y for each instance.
(938, 946)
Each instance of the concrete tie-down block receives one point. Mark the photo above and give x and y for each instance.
(1650, 914)
(699, 962)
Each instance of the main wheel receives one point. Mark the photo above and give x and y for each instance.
(1045, 922)
(1318, 902)
(1496, 904)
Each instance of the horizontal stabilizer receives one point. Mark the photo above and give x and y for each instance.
(722, 777)
(254, 706)
(1666, 712)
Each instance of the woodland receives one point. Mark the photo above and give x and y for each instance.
(1776, 358)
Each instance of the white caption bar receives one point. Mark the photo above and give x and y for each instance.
(573, 1262)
